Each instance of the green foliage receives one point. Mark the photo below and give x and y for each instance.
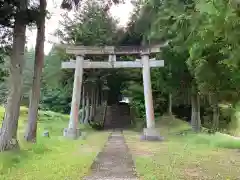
(28, 73)
(98, 125)
(57, 100)
(135, 91)
(174, 78)
(5, 47)
(212, 49)
(202, 53)
(92, 26)
(202, 56)
(3, 75)
(57, 83)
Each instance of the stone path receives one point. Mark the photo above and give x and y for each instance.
(114, 162)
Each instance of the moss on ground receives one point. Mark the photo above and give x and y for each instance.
(185, 155)
(51, 158)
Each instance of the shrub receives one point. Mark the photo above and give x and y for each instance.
(97, 125)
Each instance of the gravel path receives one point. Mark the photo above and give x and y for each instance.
(114, 162)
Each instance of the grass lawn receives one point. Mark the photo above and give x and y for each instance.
(53, 158)
(186, 156)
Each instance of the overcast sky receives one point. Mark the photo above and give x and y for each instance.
(121, 12)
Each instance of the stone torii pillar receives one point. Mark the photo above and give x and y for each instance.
(72, 130)
(149, 133)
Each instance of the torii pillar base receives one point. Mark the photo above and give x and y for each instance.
(71, 133)
(151, 134)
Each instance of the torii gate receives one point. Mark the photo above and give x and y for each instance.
(149, 133)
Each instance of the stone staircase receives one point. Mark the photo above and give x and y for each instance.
(117, 116)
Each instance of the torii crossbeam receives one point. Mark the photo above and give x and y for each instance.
(150, 133)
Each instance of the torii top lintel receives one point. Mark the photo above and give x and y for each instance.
(121, 50)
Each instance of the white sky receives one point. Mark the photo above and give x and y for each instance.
(121, 12)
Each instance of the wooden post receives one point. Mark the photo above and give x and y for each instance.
(73, 122)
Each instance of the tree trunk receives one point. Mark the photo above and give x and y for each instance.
(170, 104)
(195, 117)
(91, 105)
(102, 98)
(31, 130)
(215, 109)
(105, 105)
(83, 106)
(234, 125)
(215, 118)
(96, 102)
(87, 111)
(8, 136)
